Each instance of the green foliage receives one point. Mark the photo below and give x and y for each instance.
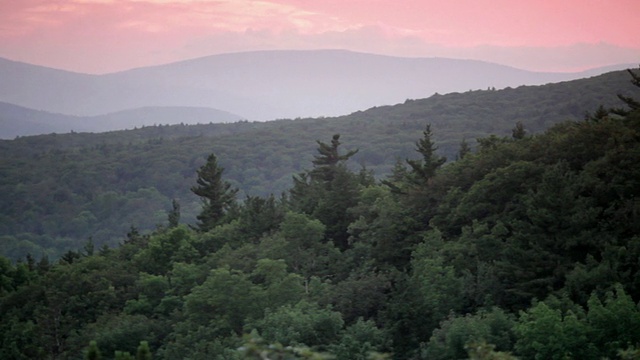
(440, 261)
(424, 169)
(464, 149)
(143, 352)
(383, 226)
(458, 335)
(173, 218)
(325, 163)
(301, 324)
(164, 249)
(632, 103)
(302, 246)
(93, 353)
(223, 302)
(328, 191)
(123, 355)
(60, 189)
(616, 321)
(216, 194)
(120, 332)
(256, 348)
(20, 339)
(430, 293)
(630, 353)
(280, 288)
(363, 294)
(546, 333)
(483, 351)
(603, 330)
(361, 341)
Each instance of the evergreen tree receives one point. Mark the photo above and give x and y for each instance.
(518, 132)
(424, 169)
(69, 257)
(329, 158)
(464, 149)
(89, 247)
(329, 190)
(259, 216)
(397, 177)
(174, 215)
(598, 115)
(302, 197)
(632, 103)
(217, 195)
(43, 265)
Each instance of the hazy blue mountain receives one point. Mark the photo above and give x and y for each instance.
(146, 116)
(20, 121)
(262, 85)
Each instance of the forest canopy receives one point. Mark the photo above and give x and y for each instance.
(59, 190)
(525, 246)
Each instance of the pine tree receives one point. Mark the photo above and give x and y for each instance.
(518, 132)
(43, 265)
(174, 215)
(598, 115)
(217, 195)
(89, 247)
(464, 149)
(632, 103)
(424, 169)
(304, 194)
(328, 191)
(329, 158)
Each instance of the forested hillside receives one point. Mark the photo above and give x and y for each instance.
(525, 246)
(61, 190)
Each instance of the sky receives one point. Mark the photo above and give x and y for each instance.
(102, 36)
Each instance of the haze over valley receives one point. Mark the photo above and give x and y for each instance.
(254, 86)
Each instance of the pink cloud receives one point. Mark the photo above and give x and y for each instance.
(496, 22)
(107, 35)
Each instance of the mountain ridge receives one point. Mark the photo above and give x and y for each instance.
(261, 85)
(147, 167)
(17, 120)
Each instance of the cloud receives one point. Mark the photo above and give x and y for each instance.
(108, 35)
(575, 57)
(381, 40)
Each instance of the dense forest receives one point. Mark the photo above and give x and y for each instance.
(61, 190)
(526, 246)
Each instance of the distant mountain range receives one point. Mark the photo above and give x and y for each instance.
(263, 85)
(20, 121)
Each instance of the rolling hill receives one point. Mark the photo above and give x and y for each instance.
(262, 85)
(20, 121)
(61, 189)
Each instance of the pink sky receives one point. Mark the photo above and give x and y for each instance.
(99, 36)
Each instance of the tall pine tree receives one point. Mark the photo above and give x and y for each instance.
(424, 169)
(217, 195)
(326, 163)
(328, 190)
